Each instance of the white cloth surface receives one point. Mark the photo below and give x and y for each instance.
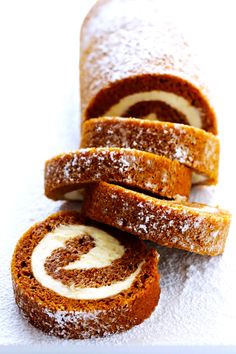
(39, 115)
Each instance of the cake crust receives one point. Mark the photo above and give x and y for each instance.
(191, 146)
(192, 227)
(70, 318)
(69, 172)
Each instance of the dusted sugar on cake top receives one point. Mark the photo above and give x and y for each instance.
(193, 147)
(192, 227)
(68, 173)
(134, 63)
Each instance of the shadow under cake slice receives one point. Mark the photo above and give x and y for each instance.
(192, 227)
(193, 147)
(75, 279)
(68, 173)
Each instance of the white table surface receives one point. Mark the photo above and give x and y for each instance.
(39, 115)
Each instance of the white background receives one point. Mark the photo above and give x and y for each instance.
(39, 117)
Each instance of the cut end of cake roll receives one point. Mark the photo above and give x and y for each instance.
(167, 98)
(76, 279)
(193, 147)
(155, 75)
(189, 226)
(67, 174)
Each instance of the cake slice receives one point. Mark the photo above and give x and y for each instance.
(189, 226)
(74, 279)
(135, 63)
(193, 147)
(67, 174)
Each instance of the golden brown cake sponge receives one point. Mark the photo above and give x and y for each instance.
(75, 279)
(67, 173)
(189, 226)
(134, 63)
(193, 147)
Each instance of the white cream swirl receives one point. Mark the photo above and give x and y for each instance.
(106, 250)
(192, 114)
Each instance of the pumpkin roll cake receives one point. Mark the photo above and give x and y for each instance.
(133, 63)
(189, 226)
(193, 147)
(74, 279)
(67, 174)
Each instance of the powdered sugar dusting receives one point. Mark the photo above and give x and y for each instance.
(181, 154)
(192, 147)
(64, 318)
(166, 223)
(115, 165)
(142, 45)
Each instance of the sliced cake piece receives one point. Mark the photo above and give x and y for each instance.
(193, 147)
(73, 279)
(67, 174)
(189, 226)
(140, 65)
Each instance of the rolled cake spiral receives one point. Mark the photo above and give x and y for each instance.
(192, 227)
(191, 146)
(75, 280)
(67, 174)
(135, 64)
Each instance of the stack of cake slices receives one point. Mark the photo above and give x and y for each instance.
(148, 133)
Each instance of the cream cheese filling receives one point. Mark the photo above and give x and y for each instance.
(106, 250)
(192, 114)
(197, 178)
(75, 195)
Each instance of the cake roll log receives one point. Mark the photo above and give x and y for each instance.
(191, 146)
(78, 280)
(66, 175)
(189, 226)
(133, 63)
